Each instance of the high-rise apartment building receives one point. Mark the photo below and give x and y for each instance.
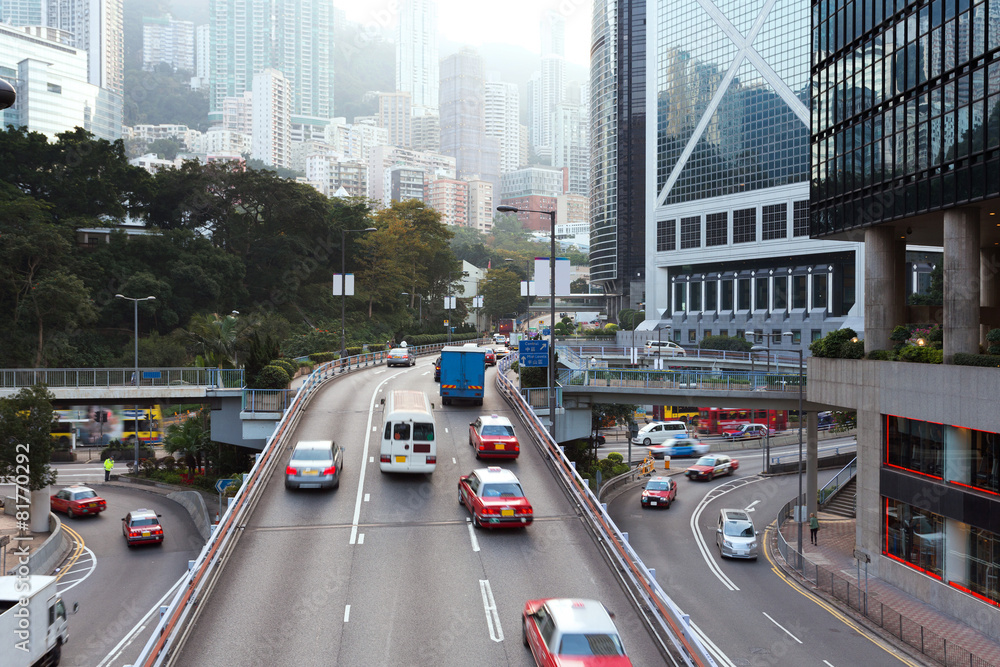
(394, 115)
(535, 188)
(22, 12)
(167, 40)
(553, 34)
(503, 110)
(401, 183)
(547, 90)
(382, 158)
(417, 53)
(450, 198)
(463, 117)
(271, 118)
(727, 216)
(481, 205)
(202, 56)
(237, 113)
(293, 36)
(426, 131)
(571, 146)
(906, 151)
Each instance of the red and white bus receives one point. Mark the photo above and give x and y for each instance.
(715, 421)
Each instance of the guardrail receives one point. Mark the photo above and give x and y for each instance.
(223, 378)
(265, 400)
(538, 397)
(845, 475)
(669, 622)
(716, 380)
(761, 356)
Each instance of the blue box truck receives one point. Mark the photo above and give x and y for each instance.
(463, 374)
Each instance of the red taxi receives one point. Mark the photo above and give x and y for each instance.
(495, 498)
(77, 501)
(572, 632)
(660, 491)
(710, 467)
(142, 527)
(493, 436)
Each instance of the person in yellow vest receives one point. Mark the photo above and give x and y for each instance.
(109, 464)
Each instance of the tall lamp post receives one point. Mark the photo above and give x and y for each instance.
(135, 373)
(343, 291)
(552, 306)
(800, 500)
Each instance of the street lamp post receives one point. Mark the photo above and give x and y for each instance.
(135, 373)
(343, 291)
(552, 306)
(800, 501)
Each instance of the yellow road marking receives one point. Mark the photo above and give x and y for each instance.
(77, 552)
(864, 632)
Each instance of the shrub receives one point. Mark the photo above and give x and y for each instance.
(354, 351)
(832, 345)
(921, 355)
(147, 466)
(851, 350)
(271, 377)
(730, 343)
(985, 360)
(290, 366)
(882, 355)
(322, 357)
(167, 463)
(900, 334)
(616, 457)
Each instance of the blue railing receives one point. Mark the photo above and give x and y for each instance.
(223, 378)
(710, 380)
(265, 400)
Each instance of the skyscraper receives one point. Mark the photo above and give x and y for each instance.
(22, 12)
(502, 122)
(463, 118)
(417, 53)
(394, 116)
(167, 40)
(271, 118)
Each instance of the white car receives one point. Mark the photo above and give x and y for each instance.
(656, 433)
(664, 348)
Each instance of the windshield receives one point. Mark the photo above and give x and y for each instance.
(83, 495)
(658, 486)
(590, 645)
(706, 461)
(143, 522)
(738, 529)
(312, 455)
(505, 490)
(498, 429)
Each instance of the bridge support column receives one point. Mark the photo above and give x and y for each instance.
(812, 458)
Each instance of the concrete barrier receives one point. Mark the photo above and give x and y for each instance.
(194, 503)
(53, 550)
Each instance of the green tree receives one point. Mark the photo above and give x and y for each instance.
(501, 293)
(25, 438)
(191, 438)
(165, 149)
(935, 294)
(579, 286)
(734, 343)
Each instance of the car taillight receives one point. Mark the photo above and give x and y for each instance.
(490, 510)
(385, 458)
(291, 471)
(528, 510)
(332, 470)
(432, 459)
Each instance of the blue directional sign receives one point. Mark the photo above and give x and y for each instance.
(221, 484)
(533, 353)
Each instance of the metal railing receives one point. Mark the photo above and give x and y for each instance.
(223, 378)
(671, 625)
(538, 397)
(931, 644)
(846, 474)
(712, 380)
(265, 400)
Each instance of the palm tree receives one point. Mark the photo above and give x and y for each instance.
(189, 437)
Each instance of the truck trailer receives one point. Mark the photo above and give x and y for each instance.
(463, 374)
(32, 621)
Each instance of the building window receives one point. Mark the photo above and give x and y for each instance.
(819, 291)
(775, 336)
(914, 536)
(799, 292)
(796, 336)
(680, 297)
(711, 295)
(708, 332)
(745, 225)
(54, 88)
(914, 445)
(800, 218)
(986, 461)
(692, 336)
(781, 293)
(727, 294)
(696, 297)
(666, 235)
(690, 232)
(743, 294)
(716, 229)
(774, 220)
(984, 563)
(760, 294)
(815, 335)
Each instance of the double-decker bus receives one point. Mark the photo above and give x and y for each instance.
(67, 427)
(97, 425)
(715, 421)
(142, 423)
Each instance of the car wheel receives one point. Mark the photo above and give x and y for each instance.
(475, 521)
(70, 513)
(647, 442)
(524, 631)
(668, 504)
(711, 476)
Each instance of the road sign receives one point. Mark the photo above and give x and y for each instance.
(533, 360)
(221, 484)
(533, 347)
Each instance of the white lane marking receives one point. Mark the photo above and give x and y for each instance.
(703, 548)
(784, 628)
(453, 460)
(445, 429)
(472, 535)
(828, 662)
(427, 373)
(374, 428)
(364, 465)
(347, 613)
(750, 508)
(716, 652)
(367, 496)
(492, 617)
(140, 626)
(361, 538)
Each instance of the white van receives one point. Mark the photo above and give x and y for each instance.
(664, 348)
(655, 433)
(408, 435)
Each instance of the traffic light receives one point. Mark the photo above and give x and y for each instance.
(102, 416)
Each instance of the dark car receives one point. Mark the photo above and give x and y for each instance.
(142, 526)
(437, 369)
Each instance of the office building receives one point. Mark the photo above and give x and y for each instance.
(22, 12)
(394, 117)
(417, 53)
(168, 41)
(426, 132)
(271, 124)
(905, 151)
(402, 183)
(727, 214)
(503, 110)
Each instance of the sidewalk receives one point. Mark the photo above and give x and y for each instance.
(835, 554)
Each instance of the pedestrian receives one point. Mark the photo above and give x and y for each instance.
(109, 464)
(813, 528)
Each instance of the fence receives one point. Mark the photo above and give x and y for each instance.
(701, 380)
(936, 647)
(14, 378)
(839, 480)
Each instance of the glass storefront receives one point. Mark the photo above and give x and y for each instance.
(914, 536)
(915, 445)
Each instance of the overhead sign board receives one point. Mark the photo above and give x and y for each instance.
(533, 360)
(533, 347)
